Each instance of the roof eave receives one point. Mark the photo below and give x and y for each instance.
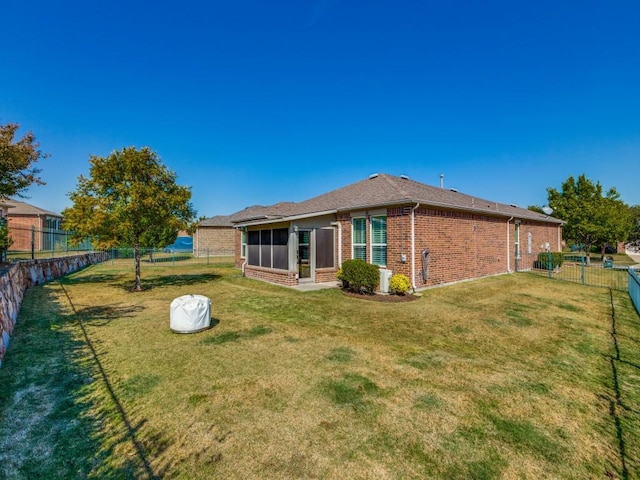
(289, 218)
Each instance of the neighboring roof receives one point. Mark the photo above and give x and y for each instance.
(380, 190)
(256, 212)
(21, 208)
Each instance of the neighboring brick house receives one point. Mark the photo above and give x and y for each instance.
(216, 236)
(23, 219)
(432, 235)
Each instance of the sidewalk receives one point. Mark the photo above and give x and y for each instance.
(634, 256)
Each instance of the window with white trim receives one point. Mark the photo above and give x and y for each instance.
(359, 238)
(243, 243)
(379, 240)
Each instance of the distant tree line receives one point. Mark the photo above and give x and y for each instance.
(594, 218)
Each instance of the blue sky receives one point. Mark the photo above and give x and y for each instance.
(256, 102)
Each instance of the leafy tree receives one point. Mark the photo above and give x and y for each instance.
(130, 199)
(592, 218)
(634, 236)
(5, 239)
(536, 208)
(17, 159)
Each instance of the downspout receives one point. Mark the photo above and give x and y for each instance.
(339, 225)
(413, 246)
(508, 252)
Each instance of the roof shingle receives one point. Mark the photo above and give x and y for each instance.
(384, 190)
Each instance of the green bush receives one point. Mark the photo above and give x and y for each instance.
(358, 276)
(5, 238)
(399, 284)
(544, 258)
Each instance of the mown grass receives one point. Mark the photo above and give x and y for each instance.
(506, 377)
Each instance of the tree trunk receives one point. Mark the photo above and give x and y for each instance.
(137, 285)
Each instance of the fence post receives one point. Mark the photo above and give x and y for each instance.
(549, 263)
(582, 269)
(33, 242)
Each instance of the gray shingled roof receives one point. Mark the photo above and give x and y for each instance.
(256, 212)
(21, 208)
(383, 190)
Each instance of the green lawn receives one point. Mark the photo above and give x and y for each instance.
(513, 376)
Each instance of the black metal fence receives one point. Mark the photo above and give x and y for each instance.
(605, 272)
(154, 256)
(32, 243)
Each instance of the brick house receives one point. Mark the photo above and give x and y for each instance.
(24, 218)
(432, 235)
(214, 236)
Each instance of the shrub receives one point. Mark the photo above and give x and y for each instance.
(358, 275)
(544, 258)
(399, 284)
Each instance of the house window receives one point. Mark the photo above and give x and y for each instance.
(379, 240)
(243, 243)
(529, 242)
(359, 238)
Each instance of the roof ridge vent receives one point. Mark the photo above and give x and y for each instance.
(373, 175)
(404, 177)
(454, 190)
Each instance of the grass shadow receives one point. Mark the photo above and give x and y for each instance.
(172, 281)
(51, 403)
(101, 315)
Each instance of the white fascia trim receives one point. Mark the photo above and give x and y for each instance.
(286, 219)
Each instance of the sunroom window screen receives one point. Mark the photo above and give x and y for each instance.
(253, 248)
(280, 248)
(265, 248)
(379, 240)
(324, 248)
(359, 238)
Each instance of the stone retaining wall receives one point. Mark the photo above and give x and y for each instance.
(15, 279)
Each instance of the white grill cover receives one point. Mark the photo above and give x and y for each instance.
(190, 314)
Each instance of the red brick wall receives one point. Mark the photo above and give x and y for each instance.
(281, 277)
(326, 275)
(20, 232)
(461, 245)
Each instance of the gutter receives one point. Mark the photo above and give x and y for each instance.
(413, 246)
(286, 219)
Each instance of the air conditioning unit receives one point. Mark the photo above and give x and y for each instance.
(385, 275)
